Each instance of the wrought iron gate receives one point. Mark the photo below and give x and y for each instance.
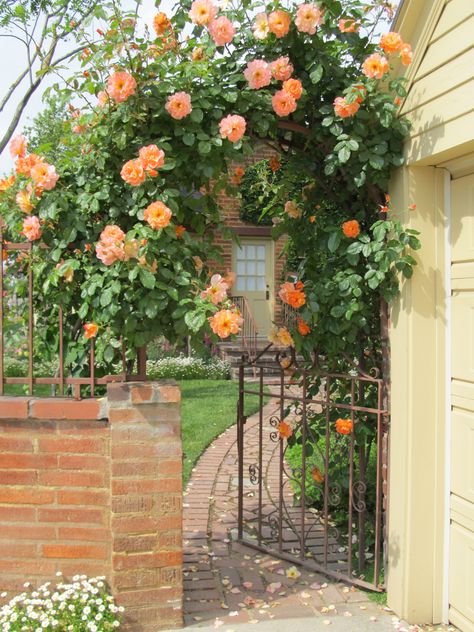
(310, 476)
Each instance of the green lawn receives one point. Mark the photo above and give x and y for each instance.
(208, 408)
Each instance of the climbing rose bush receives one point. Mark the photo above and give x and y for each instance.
(131, 205)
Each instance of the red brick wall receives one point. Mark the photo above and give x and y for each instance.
(231, 216)
(96, 496)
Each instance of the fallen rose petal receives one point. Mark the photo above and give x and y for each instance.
(235, 590)
(247, 585)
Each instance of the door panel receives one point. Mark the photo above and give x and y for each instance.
(461, 554)
(253, 265)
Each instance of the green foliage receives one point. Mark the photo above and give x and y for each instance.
(257, 190)
(334, 168)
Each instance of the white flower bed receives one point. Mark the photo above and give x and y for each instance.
(82, 606)
(188, 368)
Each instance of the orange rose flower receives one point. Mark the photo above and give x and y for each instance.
(406, 54)
(293, 87)
(31, 228)
(4, 255)
(237, 176)
(312, 218)
(121, 86)
(390, 43)
(179, 231)
(274, 163)
(90, 330)
(17, 146)
(23, 199)
(362, 90)
(351, 228)
(133, 172)
(6, 183)
(375, 66)
(303, 327)
(152, 159)
(225, 322)
(292, 295)
(279, 23)
(158, 215)
(23, 166)
(344, 426)
(284, 430)
(317, 475)
(161, 23)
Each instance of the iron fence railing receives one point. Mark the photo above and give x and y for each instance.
(249, 332)
(311, 487)
(65, 383)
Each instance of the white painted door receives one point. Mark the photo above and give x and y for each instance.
(461, 557)
(254, 268)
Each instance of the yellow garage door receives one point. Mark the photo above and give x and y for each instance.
(461, 559)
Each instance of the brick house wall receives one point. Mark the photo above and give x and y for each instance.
(230, 207)
(94, 487)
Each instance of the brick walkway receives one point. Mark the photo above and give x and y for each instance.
(228, 582)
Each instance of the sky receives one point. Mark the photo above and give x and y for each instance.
(13, 56)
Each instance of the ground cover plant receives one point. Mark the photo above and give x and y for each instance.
(208, 408)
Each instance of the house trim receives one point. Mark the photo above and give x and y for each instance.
(252, 231)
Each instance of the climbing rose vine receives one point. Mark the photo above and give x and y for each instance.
(161, 123)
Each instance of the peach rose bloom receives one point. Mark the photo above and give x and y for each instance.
(344, 109)
(317, 475)
(202, 12)
(152, 158)
(221, 31)
(112, 235)
(308, 18)
(44, 175)
(375, 66)
(351, 228)
(391, 42)
(23, 199)
(31, 228)
(179, 105)
(161, 23)
(348, 25)
(23, 166)
(406, 54)
(281, 68)
(158, 215)
(274, 163)
(292, 209)
(216, 292)
(133, 172)
(258, 73)
(283, 103)
(232, 127)
(225, 322)
(260, 27)
(279, 23)
(179, 231)
(293, 87)
(120, 86)
(198, 53)
(109, 254)
(90, 330)
(102, 98)
(6, 183)
(17, 146)
(237, 176)
(284, 337)
(362, 90)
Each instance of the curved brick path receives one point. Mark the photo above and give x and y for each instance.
(228, 581)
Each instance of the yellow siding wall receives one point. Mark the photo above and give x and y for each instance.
(440, 103)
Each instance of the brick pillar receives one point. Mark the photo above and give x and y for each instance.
(146, 498)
